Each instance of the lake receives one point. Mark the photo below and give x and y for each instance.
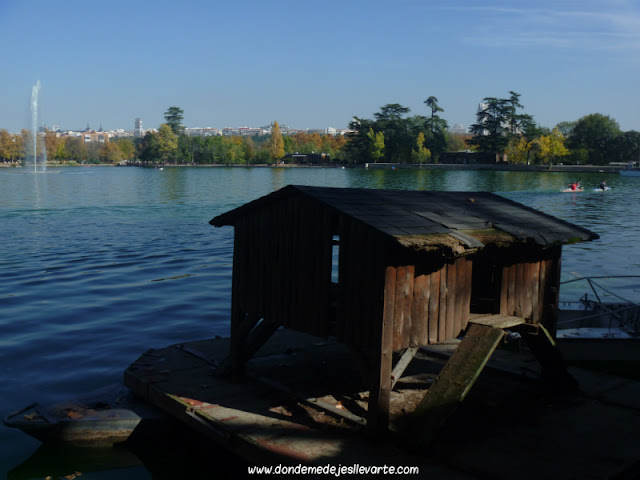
(100, 264)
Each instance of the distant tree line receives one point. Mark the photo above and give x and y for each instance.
(170, 145)
(501, 128)
(66, 149)
(391, 136)
(394, 137)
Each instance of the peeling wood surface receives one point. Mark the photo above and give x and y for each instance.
(507, 424)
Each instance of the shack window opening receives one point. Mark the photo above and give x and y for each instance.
(335, 255)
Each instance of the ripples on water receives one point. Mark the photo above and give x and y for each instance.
(100, 264)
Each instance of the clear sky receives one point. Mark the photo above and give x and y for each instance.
(315, 64)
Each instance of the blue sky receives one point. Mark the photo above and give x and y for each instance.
(315, 64)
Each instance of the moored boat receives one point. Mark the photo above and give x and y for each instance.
(102, 418)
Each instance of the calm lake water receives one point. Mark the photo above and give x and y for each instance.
(99, 264)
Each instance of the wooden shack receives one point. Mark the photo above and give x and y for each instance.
(388, 271)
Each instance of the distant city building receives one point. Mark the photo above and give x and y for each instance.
(93, 136)
(458, 129)
(138, 131)
(245, 131)
(202, 132)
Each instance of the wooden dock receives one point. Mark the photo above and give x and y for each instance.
(300, 402)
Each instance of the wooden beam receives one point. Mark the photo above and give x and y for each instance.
(497, 321)
(402, 365)
(380, 392)
(554, 368)
(454, 382)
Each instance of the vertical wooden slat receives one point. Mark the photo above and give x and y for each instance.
(511, 291)
(380, 393)
(373, 302)
(535, 292)
(504, 291)
(442, 306)
(542, 288)
(321, 323)
(434, 301)
(450, 301)
(552, 291)
(420, 311)
(527, 307)
(466, 308)
(343, 276)
(461, 272)
(402, 316)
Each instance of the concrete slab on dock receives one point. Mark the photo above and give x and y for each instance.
(507, 427)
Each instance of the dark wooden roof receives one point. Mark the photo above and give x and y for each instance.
(431, 218)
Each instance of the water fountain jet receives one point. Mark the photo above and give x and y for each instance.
(35, 139)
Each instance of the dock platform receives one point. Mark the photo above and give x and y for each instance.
(301, 403)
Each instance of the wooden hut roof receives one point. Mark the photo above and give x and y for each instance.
(427, 220)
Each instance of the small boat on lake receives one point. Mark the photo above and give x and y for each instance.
(102, 418)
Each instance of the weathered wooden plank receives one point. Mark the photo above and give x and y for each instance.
(343, 275)
(542, 289)
(498, 321)
(380, 392)
(520, 289)
(455, 380)
(451, 301)
(504, 291)
(434, 300)
(552, 290)
(527, 303)
(326, 246)
(442, 306)
(420, 311)
(461, 272)
(511, 291)
(467, 293)
(402, 365)
(402, 311)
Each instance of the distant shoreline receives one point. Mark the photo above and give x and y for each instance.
(390, 166)
(431, 166)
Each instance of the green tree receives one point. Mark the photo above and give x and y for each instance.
(421, 154)
(75, 148)
(490, 133)
(434, 122)
(518, 150)
(173, 117)
(127, 148)
(626, 147)
(167, 143)
(249, 149)
(596, 134)
(499, 122)
(549, 147)
(276, 144)
(376, 145)
(110, 153)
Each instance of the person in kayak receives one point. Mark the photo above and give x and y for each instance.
(603, 185)
(574, 185)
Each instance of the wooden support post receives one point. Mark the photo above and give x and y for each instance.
(454, 382)
(554, 368)
(380, 392)
(402, 365)
(246, 339)
(258, 337)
